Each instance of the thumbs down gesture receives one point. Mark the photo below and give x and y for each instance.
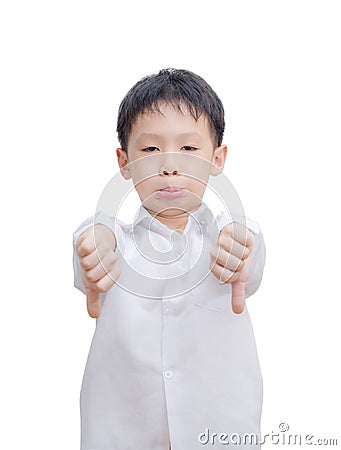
(230, 261)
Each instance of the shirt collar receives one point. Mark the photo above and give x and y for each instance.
(202, 217)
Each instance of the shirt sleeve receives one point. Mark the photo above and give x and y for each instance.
(98, 218)
(258, 252)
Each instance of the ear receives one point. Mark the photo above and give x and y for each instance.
(122, 159)
(218, 160)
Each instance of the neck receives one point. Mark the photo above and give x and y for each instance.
(175, 219)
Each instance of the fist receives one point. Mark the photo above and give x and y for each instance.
(99, 267)
(230, 261)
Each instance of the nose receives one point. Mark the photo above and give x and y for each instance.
(165, 172)
(168, 164)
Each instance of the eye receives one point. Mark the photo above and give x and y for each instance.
(189, 148)
(150, 149)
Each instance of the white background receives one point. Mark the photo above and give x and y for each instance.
(66, 65)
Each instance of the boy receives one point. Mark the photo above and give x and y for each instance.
(173, 362)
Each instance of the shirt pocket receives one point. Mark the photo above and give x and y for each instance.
(212, 295)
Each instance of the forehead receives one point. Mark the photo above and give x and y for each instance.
(170, 122)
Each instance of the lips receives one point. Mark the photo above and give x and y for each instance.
(170, 189)
(170, 192)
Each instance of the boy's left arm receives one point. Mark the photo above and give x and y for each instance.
(247, 278)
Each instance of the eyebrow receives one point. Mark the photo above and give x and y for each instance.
(181, 135)
(148, 135)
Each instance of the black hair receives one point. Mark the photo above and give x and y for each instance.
(177, 88)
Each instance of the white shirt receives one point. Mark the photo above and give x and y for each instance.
(170, 363)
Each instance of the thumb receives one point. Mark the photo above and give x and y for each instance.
(93, 303)
(238, 296)
(239, 288)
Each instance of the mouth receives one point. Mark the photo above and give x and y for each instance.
(170, 193)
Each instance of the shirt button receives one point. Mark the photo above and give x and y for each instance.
(166, 310)
(168, 374)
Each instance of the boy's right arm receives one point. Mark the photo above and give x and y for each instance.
(95, 263)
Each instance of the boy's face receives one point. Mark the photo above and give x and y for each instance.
(170, 157)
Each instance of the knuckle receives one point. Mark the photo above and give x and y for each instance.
(228, 261)
(224, 275)
(246, 253)
(85, 280)
(87, 283)
(116, 272)
(85, 246)
(252, 241)
(86, 264)
(223, 237)
(212, 265)
(231, 277)
(229, 244)
(81, 238)
(91, 276)
(225, 278)
(235, 226)
(113, 259)
(228, 228)
(104, 284)
(240, 265)
(234, 277)
(100, 286)
(213, 255)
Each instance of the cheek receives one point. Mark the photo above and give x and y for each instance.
(144, 170)
(197, 187)
(145, 187)
(196, 166)
(199, 174)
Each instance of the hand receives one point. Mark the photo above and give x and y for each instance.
(99, 267)
(230, 261)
